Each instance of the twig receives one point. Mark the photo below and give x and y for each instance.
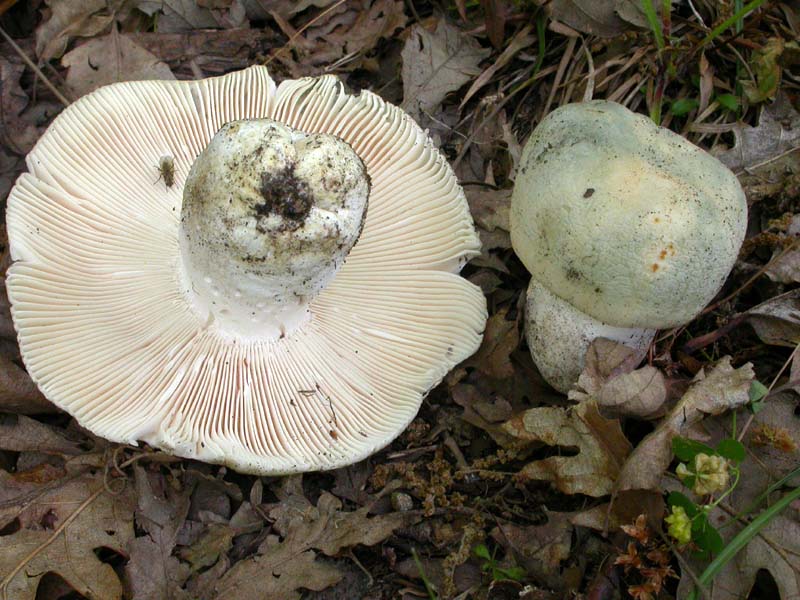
(61, 97)
(8, 578)
(300, 31)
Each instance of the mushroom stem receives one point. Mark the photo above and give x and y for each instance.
(269, 215)
(559, 335)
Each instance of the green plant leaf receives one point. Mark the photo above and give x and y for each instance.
(678, 499)
(686, 449)
(728, 101)
(757, 391)
(705, 535)
(683, 106)
(732, 450)
(514, 573)
(481, 551)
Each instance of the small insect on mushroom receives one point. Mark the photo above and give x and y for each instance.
(166, 170)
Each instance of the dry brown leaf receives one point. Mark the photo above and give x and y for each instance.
(263, 9)
(435, 64)
(362, 31)
(500, 339)
(784, 266)
(22, 434)
(78, 519)
(596, 17)
(84, 18)
(777, 132)
(18, 393)
(18, 134)
(609, 379)
(722, 389)
(491, 209)
(151, 572)
(285, 565)
(176, 16)
(602, 448)
(539, 549)
(109, 59)
(777, 321)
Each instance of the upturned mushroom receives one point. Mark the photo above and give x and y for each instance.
(281, 302)
(625, 227)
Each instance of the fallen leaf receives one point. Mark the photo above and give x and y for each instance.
(81, 519)
(500, 339)
(367, 27)
(85, 18)
(777, 133)
(109, 59)
(284, 565)
(491, 209)
(151, 572)
(17, 134)
(610, 380)
(777, 321)
(22, 434)
(632, 12)
(539, 549)
(18, 393)
(719, 390)
(601, 447)
(175, 16)
(595, 17)
(259, 10)
(435, 64)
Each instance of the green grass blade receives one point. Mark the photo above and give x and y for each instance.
(741, 540)
(652, 19)
(735, 18)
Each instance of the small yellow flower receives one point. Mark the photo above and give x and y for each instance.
(683, 471)
(712, 474)
(680, 526)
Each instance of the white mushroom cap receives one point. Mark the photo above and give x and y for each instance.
(559, 335)
(628, 222)
(110, 334)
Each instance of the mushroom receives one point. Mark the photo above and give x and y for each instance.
(282, 305)
(625, 227)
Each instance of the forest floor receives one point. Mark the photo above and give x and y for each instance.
(501, 487)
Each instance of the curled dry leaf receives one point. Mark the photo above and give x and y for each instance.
(610, 380)
(73, 19)
(601, 447)
(777, 321)
(435, 64)
(109, 59)
(722, 389)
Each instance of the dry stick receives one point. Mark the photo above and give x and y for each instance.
(562, 66)
(7, 579)
(300, 31)
(769, 389)
(588, 93)
(750, 281)
(61, 97)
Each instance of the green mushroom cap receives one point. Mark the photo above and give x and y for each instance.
(627, 221)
